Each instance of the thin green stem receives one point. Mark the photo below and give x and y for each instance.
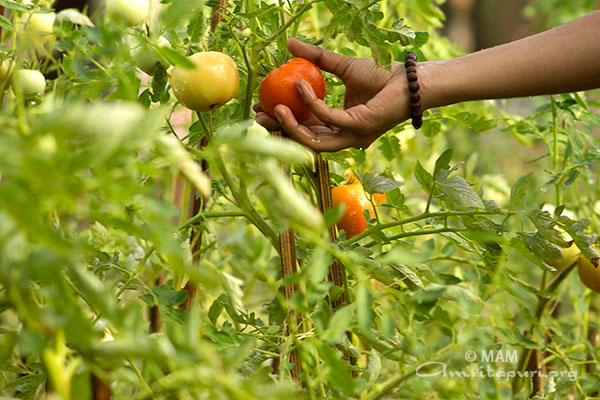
(303, 9)
(425, 215)
(539, 312)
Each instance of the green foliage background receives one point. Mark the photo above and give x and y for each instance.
(94, 230)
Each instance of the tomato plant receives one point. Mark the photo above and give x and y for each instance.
(279, 87)
(155, 242)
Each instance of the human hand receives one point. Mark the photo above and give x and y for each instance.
(375, 101)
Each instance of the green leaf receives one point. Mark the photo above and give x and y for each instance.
(540, 246)
(460, 193)
(364, 309)
(378, 184)
(423, 177)
(175, 58)
(410, 279)
(518, 192)
(442, 163)
(217, 307)
(583, 240)
(464, 297)
(431, 128)
(13, 5)
(5, 23)
(339, 323)
(338, 377)
(159, 81)
(166, 296)
(373, 367)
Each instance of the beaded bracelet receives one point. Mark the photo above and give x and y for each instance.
(410, 64)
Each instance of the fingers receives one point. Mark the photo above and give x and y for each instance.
(324, 59)
(331, 116)
(319, 139)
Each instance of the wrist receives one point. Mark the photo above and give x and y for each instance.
(432, 82)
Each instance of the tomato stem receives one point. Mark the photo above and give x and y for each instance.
(445, 214)
(541, 307)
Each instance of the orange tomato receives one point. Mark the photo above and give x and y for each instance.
(589, 275)
(355, 201)
(279, 87)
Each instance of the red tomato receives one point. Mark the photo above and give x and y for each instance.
(279, 87)
(355, 200)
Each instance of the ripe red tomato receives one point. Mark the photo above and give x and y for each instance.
(279, 87)
(355, 200)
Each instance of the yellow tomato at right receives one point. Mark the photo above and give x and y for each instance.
(569, 256)
(589, 274)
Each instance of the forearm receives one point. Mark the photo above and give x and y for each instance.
(562, 59)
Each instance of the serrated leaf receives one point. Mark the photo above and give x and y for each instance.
(423, 177)
(165, 296)
(410, 279)
(373, 367)
(465, 298)
(339, 377)
(582, 239)
(431, 128)
(460, 193)
(518, 191)
(378, 184)
(216, 308)
(13, 5)
(442, 163)
(5, 23)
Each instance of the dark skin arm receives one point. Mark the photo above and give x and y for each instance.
(562, 59)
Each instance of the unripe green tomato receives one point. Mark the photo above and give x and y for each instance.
(213, 82)
(28, 82)
(589, 274)
(133, 12)
(146, 56)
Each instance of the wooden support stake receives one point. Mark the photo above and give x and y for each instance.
(289, 266)
(336, 272)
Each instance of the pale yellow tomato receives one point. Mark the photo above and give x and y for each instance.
(37, 31)
(211, 83)
(133, 12)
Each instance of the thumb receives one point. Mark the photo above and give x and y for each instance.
(326, 60)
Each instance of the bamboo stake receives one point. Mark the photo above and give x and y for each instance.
(287, 245)
(337, 274)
